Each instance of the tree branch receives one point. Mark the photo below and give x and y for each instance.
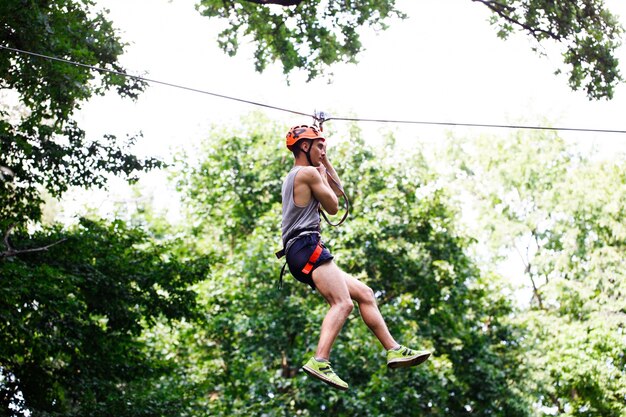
(279, 2)
(555, 401)
(502, 10)
(5, 240)
(527, 270)
(11, 251)
(536, 289)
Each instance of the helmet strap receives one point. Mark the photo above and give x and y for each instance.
(308, 153)
(308, 157)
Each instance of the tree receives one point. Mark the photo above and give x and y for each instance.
(41, 146)
(587, 32)
(299, 34)
(72, 337)
(398, 239)
(562, 212)
(312, 35)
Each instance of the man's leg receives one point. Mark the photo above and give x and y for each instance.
(330, 282)
(370, 313)
(397, 356)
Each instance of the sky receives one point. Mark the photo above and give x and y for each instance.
(442, 64)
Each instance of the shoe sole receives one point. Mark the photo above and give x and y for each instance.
(323, 378)
(405, 363)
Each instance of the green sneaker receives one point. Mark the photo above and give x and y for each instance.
(324, 372)
(405, 357)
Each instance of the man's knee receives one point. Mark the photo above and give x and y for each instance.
(345, 305)
(366, 295)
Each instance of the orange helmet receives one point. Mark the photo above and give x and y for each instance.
(297, 133)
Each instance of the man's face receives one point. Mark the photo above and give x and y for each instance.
(318, 151)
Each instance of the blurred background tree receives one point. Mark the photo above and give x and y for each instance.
(42, 147)
(562, 212)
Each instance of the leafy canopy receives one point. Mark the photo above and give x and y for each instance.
(314, 34)
(308, 35)
(73, 317)
(587, 33)
(41, 146)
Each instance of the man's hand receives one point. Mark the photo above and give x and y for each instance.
(325, 161)
(329, 170)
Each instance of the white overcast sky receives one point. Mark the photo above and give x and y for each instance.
(443, 64)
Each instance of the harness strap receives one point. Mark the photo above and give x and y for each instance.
(280, 278)
(313, 258)
(293, 235)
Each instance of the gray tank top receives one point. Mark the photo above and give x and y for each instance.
(294, 217)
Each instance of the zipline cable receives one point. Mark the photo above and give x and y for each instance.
(149, 80)
(571, 129)
(349, 119)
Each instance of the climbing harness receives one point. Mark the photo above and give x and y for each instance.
(312, 259)
(310, 263)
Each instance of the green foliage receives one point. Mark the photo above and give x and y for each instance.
(72, 320)
(235, 181)
(309, 35)
(72, 317)
(564, 213)
(43, 146)
(399, 239)
(588, 32)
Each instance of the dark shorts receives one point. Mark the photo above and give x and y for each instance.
(299, 254)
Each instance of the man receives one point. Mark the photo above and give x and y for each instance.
(313, 182)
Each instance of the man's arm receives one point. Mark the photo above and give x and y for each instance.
(335, 183)
(320, 188)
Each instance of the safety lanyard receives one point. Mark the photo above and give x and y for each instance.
(346, 203)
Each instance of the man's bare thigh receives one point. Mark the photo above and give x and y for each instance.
(330, 281)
